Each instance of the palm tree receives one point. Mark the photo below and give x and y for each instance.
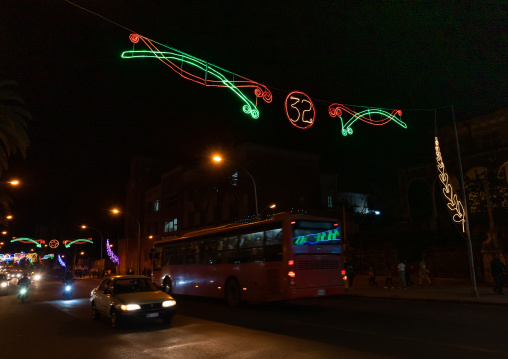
(13, 135)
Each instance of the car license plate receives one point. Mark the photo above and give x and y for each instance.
(321, 292)
(152, 315)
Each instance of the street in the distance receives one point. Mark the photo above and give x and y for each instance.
(47, 326)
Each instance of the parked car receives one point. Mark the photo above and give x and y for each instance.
(131, 297)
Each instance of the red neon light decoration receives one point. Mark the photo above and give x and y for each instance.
(214, 76)
(336, 110)
(300, 110)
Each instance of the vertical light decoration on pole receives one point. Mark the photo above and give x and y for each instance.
(454, 204)
(114, 258)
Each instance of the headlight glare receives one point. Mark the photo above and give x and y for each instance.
(4, 284)
(130, 307)
(168, 303)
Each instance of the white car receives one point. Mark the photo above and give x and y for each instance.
(131, 297)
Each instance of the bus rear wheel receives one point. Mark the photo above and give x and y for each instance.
(233, 293)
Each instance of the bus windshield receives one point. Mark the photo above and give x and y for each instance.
(316, 232)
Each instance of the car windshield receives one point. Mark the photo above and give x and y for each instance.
(134, 285)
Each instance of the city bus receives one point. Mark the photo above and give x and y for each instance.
(283, 258)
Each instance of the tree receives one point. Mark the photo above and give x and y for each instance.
(13, 124)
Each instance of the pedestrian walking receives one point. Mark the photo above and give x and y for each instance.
(424, 272)
(372, 276)
(497, 269)
(409, 275)
(389, 281)
(402, 273)
(350, 273)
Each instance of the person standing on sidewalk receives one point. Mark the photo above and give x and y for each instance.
(497, 268)
(372, 276)
(389, 281)
(424, 272)
(402, 274)
(350, 273)
(409, 275)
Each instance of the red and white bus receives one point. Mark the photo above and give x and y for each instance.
(287, 257)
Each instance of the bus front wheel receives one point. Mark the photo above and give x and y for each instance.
(233, 293)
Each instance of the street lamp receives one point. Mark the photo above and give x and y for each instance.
(218, 158)
(116, 211)
(272, 206)
(102, 238)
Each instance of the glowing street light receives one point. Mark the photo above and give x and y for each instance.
(218, 158)
(95, 229)
(116, 211)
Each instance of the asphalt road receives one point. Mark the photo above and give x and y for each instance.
(47, 326)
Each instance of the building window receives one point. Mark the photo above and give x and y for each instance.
(330, 202)
(171, 226)
(234, 179)
(156, 206)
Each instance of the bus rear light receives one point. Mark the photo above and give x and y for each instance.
(345, 277)
(244, 288)
(343, 272)
(291, 262)
(291, 274)
(293, 222)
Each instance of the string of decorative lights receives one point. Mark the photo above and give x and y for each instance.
(37, 242)
(114, 258)
(454, 204)
(68, 243)
(236, 81)
(60, 260)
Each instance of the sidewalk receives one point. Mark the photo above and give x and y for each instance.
(442, 290)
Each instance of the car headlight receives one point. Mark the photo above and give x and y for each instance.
(37, 277)
(4, 284)
(130, 307)
(168, 303)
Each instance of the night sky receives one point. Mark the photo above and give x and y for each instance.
(93, 111)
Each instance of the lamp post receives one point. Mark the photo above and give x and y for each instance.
(272, 206)
(218, 158)
(102, 238)
(116, 211)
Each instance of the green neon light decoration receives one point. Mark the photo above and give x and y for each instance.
(336, 110)
(68, 243)
(214, 76)
(27, 240)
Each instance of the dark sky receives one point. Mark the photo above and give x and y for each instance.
(92, 111)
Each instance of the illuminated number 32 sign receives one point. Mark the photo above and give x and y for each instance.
(300, 110)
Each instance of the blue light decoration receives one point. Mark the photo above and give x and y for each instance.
(338, 110)
(111, 255)
(60, 260)
(201, 72)
(49, 256)
(318, 238)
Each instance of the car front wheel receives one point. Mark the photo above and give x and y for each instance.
(95, 314)
(115, 319)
